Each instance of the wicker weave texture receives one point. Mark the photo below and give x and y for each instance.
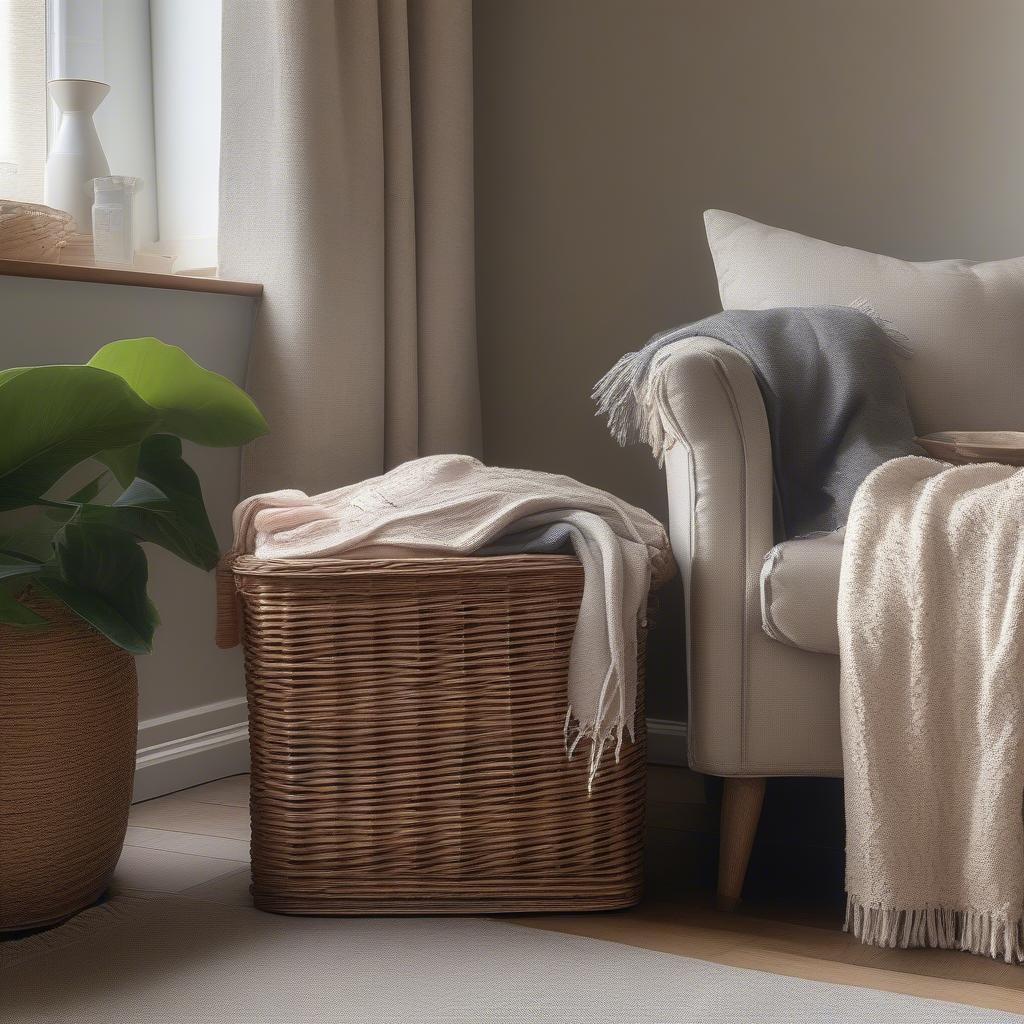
(406, 727)
(68, 724)
(29, 231)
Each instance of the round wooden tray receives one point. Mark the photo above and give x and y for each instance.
(965, 446)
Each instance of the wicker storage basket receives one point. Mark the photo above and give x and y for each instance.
(406, 725)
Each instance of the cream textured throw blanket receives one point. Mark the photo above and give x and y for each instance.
(931, 608)
(454, 505)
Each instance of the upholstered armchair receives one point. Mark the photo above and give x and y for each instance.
(758, 705)
(762, 624)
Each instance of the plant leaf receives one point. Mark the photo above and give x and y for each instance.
(141, 494)
(100, 573)
(161, 464)
(12, 565)
(6, 375)
(122, 462)
(163, 505)
(32, 539)
(91, 490)
(198, 404)
(14, 613)
(56, 416)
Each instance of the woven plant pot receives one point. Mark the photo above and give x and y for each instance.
(68, 724)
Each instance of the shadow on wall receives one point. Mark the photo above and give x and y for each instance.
(604, 129)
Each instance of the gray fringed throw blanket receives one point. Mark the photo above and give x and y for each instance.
(835, 401)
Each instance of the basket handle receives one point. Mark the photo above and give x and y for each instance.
(229, 606)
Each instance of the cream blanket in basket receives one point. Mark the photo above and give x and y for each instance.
(931, 609)
(454, 505)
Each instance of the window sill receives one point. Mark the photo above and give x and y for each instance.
(136, 278)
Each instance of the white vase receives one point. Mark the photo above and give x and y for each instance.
(76, 156)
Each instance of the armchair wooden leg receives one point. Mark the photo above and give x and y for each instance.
(741, 809)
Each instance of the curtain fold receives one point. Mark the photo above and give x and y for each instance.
(347, 189)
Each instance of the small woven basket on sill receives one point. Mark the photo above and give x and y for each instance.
(406, 725)
(29, 231)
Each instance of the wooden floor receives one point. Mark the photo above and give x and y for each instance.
(196, 843)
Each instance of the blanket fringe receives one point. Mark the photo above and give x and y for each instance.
(626, 396)
(615, 395)
(999, 936)
(574, 734)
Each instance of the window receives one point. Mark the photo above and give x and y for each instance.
(160, 121)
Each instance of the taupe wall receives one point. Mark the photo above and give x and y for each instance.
(605, 127)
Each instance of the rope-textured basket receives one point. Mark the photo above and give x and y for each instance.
(406, 724)
(29, 231)
(68, 722)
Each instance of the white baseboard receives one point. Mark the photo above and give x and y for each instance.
(666, 742)
(188, 748)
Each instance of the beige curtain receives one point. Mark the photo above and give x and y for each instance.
(22, 99)
(347, 189)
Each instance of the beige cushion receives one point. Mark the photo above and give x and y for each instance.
(800, 592)
(964, 321)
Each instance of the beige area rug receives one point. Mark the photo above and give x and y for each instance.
(170, 959)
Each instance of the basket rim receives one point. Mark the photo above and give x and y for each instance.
(16, 206)
(428, 565)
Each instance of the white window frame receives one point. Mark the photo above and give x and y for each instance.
(161, 120)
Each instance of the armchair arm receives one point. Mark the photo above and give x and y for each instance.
(720, 521)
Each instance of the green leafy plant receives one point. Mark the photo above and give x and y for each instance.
(124, 413)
